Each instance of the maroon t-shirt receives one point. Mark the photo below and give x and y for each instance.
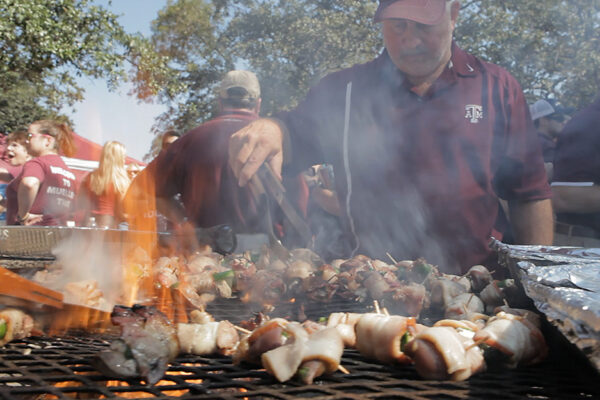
(421, 176)
(196, 166)
(13, 170)
(577, 154)
(577, 158)
(55, 194)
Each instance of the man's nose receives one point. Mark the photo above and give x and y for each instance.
(410, 36)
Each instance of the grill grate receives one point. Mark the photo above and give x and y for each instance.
(235, 311)
(58, 368)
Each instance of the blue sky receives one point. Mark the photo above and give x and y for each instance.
(105, 115)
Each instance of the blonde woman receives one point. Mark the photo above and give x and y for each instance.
(103, 190)
(46, 186)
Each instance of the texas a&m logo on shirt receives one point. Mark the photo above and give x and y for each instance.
(474, 113)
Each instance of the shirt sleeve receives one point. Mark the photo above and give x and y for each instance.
(521, 175)
(35, 169)
(168, 175)
(577, 156)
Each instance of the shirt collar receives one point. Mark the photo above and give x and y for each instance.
(463, 63)
(237, 112)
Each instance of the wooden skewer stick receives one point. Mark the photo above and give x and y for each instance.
(343, 370)
(470, 298)
(239, 328)
(377, 309)
(505, 302)
(391, 258)
(477, 343)
(385, 311)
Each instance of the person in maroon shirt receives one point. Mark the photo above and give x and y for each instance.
(46, 186)
(549, 118)
(423, 140)
(17, 154)
(196, 165)
(576, 184)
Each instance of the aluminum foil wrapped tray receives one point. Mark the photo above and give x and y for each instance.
(564, 284)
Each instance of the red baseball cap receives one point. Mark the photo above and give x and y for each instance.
(429, 12)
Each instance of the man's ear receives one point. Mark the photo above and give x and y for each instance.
(454, 10)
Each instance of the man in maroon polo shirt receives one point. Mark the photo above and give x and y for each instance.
(196, 165)
(576, 184)
(424, 141)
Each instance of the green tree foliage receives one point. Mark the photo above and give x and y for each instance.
(46, 44)
(550, 46)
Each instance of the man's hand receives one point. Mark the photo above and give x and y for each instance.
(32, 219)
(251, 146)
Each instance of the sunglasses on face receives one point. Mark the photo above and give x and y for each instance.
(31, 134)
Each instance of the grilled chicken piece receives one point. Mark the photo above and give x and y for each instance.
(443, 291)
(14, 325)
(322, 354)
(441, 353)
(267, 336)
(464, 306)
(283, 361)
(207, 338)
(491, 295)
(407, 299)
(513, 340)
(381, 337)
(480, 277)
(345, 324)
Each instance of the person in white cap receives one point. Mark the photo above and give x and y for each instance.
(423, 140)
(548, 120)
(195, 167)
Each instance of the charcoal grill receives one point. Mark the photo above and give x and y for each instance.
(59, 368)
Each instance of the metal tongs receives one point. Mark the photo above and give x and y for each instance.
(15, 286)
(267, 185)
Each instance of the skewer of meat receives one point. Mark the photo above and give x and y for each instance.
(14, 325)
(383, 337)
(345, 324)
(322, 355)
(283, 361)
(266, 337)
(480, 277)
(205, 336)
(513, 340)
(443, 291)
(147, 344)
(442, 353)
(463, 306)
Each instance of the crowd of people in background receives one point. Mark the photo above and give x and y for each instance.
(203, 178)
(39, 189)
